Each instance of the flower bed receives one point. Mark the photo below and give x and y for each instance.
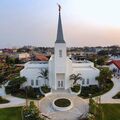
(63, 102)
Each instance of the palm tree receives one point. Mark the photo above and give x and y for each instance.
(75, 78)
(44, 75)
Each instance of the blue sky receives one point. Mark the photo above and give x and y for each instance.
(34, 22)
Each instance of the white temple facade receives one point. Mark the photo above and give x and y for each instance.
(60, 67)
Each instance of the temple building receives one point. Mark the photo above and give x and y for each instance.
(60, 67)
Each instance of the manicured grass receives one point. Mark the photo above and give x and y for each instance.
(10, 113)
(111, 111)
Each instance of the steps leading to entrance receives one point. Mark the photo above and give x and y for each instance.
(60, 90)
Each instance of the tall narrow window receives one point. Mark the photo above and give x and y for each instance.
(58, 83)
(32, 82)
(60, 53)
(87, 81)
(36, 82)
(83, 81)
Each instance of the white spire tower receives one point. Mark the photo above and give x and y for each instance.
(60, 55)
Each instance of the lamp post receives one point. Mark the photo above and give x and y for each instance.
(26, 88)
(22, 113)
(38, 100)
(90, 96)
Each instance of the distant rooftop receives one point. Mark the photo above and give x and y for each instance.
(81, 61)
(38, 62)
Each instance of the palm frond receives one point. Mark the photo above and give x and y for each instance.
(75, 77)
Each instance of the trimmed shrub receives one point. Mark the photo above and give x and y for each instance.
(45, 89)
(75, 88)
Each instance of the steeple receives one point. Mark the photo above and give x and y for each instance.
(60, 38)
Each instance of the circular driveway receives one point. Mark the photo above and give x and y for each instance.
(80, 107)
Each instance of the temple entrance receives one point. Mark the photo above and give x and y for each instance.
(60, 84)
(60, 77)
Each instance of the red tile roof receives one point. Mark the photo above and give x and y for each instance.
(41, 57)
(116, 63)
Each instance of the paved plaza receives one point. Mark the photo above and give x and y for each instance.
(80, 107)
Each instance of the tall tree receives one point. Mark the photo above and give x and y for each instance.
(44, 75)
(31, 112)
(104, 77)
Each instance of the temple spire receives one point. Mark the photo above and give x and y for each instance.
(59, 6)
(60, 38)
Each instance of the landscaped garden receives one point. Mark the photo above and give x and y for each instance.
(14, 88)
(30, 112)
(29, 93)
(98, 111)
(8, 69)
(95, 90)
(105, 84)
(109, 111)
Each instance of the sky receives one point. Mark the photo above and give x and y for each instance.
(34, 22)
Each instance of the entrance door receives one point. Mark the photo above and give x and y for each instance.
(60, 84)
(60, 78)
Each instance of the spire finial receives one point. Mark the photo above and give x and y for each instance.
(60, 38)
(59, 6)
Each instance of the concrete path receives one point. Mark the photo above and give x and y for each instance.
(2, 90)
(107, 97)
(80, 104)
(14, 102)
(80, 107)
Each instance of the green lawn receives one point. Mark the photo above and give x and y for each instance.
(111, 111)
(10, 113)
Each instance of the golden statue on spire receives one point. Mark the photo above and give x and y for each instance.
(59, 6)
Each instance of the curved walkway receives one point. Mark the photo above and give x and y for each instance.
(79, 103)
(107, 97)
(13, 102)
(80, 107)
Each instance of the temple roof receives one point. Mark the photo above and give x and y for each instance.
(60, 38)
